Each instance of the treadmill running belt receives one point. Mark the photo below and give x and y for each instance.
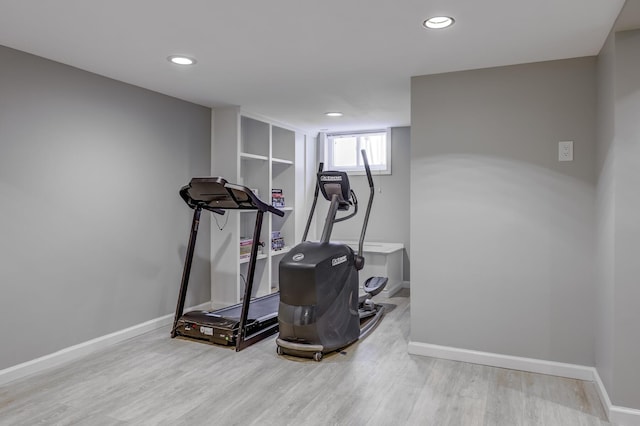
(259, 309)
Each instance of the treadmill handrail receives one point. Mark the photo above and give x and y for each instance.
(260, 205)
(184, 194)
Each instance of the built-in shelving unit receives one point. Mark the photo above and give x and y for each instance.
(262, 155)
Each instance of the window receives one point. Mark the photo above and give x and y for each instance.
(342, 151)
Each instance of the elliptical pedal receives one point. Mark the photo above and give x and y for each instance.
(374, 285)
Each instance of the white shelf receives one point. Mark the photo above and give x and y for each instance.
(247, 156)
(280, 252)
(246, 259)
(281, 161)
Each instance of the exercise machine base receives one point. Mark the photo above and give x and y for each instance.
(221, 326)
(369, 319)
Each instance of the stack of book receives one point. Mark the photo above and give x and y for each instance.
(245, 247)
(277, 242)
(277, 198)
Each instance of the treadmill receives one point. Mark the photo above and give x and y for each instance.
(244, 323)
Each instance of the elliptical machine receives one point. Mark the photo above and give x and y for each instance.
(320, 308)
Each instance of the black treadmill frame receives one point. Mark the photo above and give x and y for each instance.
(235, 197)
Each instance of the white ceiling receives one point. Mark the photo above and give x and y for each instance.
(293, 60)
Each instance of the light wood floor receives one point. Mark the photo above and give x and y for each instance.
(153, 379)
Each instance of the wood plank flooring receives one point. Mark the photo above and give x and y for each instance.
(155, 380)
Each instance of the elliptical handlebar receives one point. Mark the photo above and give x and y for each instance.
(366, 215)
(367, 168)
(354, 202)
(313, 206)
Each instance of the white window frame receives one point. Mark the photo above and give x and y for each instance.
(358, 170)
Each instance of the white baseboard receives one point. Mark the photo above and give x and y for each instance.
(503, 361)
(406, 284)
(82, 349)
(621, 416)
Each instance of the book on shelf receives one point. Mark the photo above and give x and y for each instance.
(245, 247)
(277, 242)
(277, 198)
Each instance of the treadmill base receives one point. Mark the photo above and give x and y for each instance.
(189, 326)
(221, 326)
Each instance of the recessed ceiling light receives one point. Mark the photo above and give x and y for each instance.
(333, 114)
(438, 22)
(181, 60)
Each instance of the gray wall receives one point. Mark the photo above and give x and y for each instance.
(618, 339)
(93, 231)
(502, 234)
(389, 220)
